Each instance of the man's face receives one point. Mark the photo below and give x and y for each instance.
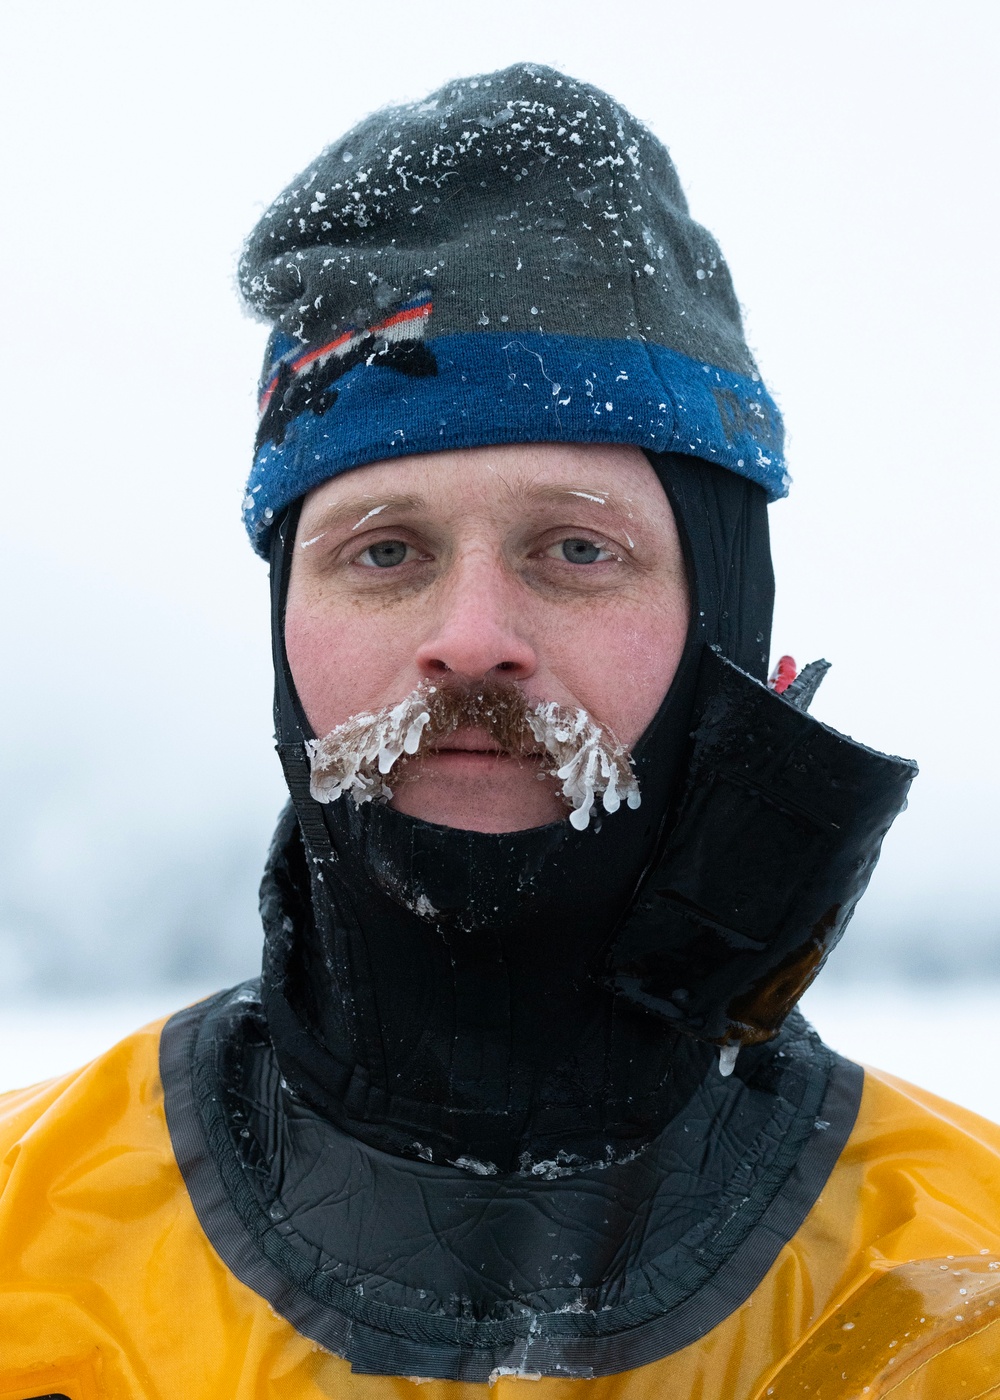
(553, 567)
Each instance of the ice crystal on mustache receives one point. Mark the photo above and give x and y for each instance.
(357, 756)
(587, 763)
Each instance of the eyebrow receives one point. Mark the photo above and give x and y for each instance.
(600, 495)
(355, 510)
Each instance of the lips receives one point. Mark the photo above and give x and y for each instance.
(472, 749)
(470, 741)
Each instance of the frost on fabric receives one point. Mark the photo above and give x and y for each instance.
(521, 1369)
(569, 1164)
(357, 756)
(565, 166)
(473, 1165)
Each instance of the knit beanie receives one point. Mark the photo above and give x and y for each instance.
(511, 260)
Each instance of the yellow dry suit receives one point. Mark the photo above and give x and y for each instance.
(109, 1286)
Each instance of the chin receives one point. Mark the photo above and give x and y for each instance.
(504, 796)
(494, 820)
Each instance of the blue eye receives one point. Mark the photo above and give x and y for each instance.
(386, 554)
(578, 551)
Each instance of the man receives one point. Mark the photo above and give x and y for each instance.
(521, 1093)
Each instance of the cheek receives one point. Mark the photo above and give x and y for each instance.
(336, 668)
(625, 663)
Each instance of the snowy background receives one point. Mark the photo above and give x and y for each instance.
(846, 158)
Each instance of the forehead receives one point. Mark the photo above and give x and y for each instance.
(506, 479)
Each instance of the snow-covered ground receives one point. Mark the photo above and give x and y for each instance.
(944, 1037)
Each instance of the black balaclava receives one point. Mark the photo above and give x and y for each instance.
(487, 1030)
(505, 1134)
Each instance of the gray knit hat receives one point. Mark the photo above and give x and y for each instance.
(511, 260)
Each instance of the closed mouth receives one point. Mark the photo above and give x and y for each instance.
(470, 742)
(474, 745)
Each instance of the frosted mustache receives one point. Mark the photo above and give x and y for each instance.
(357, 756)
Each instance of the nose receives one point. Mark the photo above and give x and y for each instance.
(476, 632)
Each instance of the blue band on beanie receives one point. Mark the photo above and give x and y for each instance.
(482, 388)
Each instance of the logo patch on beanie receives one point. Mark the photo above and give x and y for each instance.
(303, 379)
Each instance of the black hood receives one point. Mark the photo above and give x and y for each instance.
(514, 1000)
(472, 1122)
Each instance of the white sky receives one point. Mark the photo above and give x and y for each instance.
(846, 158)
